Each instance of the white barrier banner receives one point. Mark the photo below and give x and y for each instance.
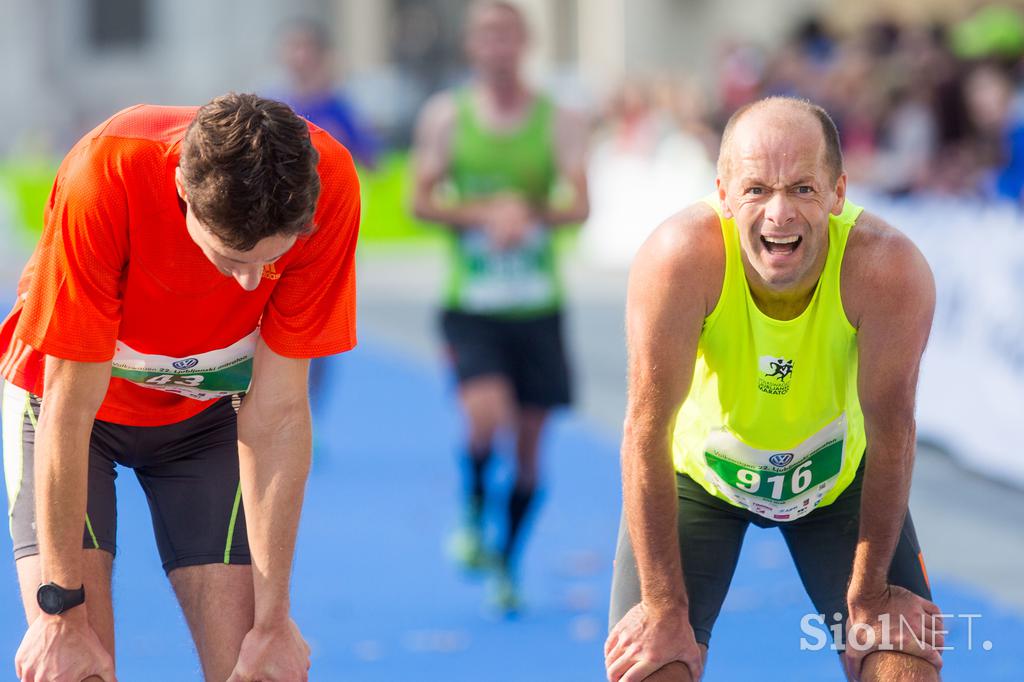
(971, 391)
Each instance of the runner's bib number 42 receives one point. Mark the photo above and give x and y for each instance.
(781, 486)
(204, 376)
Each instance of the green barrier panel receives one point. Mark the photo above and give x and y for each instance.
(27, 184)
(386, 216)
(387, 203)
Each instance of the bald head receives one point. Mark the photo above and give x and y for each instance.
(780, 116)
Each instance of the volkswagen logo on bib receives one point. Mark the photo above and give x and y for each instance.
(782, 459)
(189, 363)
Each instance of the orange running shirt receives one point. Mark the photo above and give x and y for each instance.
(117, 273)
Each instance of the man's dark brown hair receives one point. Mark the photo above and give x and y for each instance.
(250, 170)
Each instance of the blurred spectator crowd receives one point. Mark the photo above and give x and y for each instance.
(922, 109)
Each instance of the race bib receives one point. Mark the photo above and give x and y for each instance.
(781, 486)
(204, 376)
(499, 280)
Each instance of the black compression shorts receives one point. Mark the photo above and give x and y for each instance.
(529, 352)
(822, 545)
(188, 470)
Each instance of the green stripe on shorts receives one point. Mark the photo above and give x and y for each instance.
(231, 524)
(88, 525)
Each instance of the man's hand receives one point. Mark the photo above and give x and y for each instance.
(509, 219)
(645, 640)
(58, 648)
(277, 654)
(899, 620)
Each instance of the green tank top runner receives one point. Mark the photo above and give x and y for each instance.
(772, 422)
(519, 282)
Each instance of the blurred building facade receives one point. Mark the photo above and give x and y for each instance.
(75, 61)
(72, 62)
(78, 60)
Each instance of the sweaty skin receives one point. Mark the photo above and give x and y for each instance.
(775, 183)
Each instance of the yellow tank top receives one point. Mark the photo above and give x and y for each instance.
(772, 422)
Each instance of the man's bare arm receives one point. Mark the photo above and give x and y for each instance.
(571, 137)
(72, 394)
(890, 292)
(431, 157)
(274, 444)
(667, 302)
(675, 281)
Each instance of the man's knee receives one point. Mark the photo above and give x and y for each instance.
(673, 672)
(678, 671)
(489, 405)
(894, 666)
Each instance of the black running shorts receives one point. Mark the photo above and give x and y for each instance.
(188, 470)
(821, 543)
(529, 352)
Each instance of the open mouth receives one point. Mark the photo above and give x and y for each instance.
(781, 245)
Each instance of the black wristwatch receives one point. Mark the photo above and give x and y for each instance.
(54, 599)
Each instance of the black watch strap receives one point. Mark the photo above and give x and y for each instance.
(54, 599)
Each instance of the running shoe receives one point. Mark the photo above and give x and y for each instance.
(466, 548)
(505, 592)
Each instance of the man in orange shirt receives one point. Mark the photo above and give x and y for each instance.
(189, 256)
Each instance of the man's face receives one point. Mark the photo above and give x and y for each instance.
(245, 266)
(780, 193)
(301, 54)
(495, 41)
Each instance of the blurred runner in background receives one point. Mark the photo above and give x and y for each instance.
(313, 91)
(488, 158)
(189, 255)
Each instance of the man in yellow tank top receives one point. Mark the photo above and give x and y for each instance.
(775, 332)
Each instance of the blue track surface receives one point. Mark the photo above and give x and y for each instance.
(376, 598)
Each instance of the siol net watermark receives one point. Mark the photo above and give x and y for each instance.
(863, 637)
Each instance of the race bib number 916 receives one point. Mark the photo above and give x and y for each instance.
(781, 486)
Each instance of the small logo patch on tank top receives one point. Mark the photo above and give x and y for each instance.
(775, 374)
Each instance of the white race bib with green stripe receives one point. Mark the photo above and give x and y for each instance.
(204, 376)
(780, 486)
(497, 280)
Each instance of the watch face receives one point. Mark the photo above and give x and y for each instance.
(50, 599)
